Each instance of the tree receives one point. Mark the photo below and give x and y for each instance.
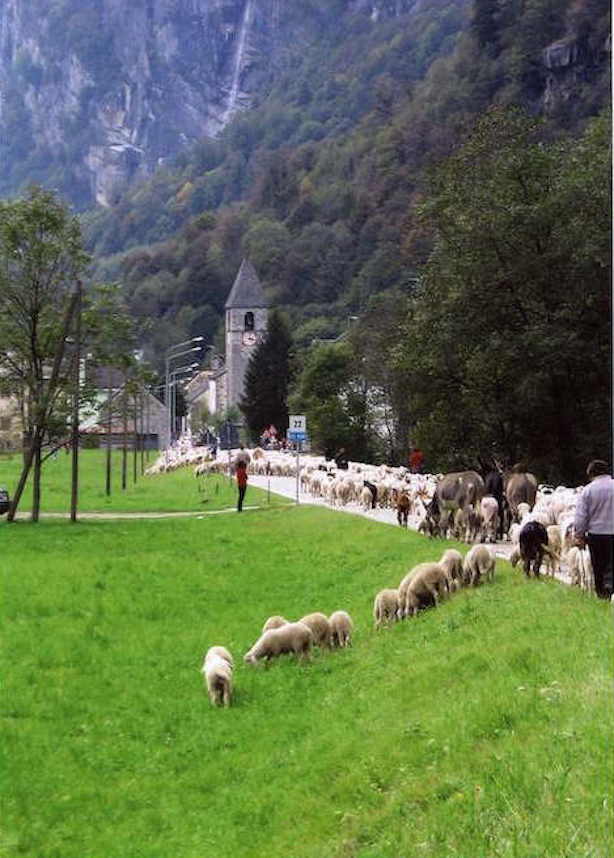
(41, 262)
(507, 343)
(113, 334)
(376, 337)
(47, 320)
(334, 399)
(267, 379)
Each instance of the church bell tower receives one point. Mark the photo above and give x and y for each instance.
(246, 322)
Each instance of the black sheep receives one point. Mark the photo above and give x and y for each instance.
(533, 545)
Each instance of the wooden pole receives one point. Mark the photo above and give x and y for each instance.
(135, 446)
(125, 440)
(109, 434)
(74, 492)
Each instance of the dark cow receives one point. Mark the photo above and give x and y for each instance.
(533, 542)
(520, 488)
(458, 491)
(494, 486)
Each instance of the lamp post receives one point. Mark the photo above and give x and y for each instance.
(171, 355)
(74, 489)
(173, 386)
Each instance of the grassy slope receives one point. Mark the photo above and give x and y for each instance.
(174, 492)
(480, 729)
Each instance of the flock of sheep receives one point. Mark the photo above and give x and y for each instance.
(424, 586)
(461, 513)
(279, 636)
(411, 496)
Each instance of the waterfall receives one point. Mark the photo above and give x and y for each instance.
(237, 63)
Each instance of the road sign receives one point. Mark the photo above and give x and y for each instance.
(297, 436)
(298, 423)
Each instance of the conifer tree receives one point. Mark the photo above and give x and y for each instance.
(264, 401)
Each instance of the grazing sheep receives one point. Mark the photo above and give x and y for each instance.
(428, 584)
(293, 637)
(341, 627)
(320, 628)
(386, 607)
(274, 622)
(403, 507)
(533, 543)
(479, 561)
(217, 671)
(452, 563)
(402, 591)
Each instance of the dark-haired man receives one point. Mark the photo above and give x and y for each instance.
(594, 524)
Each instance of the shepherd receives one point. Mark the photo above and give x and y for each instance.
(241, 473)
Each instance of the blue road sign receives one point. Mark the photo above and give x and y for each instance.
(297, 436)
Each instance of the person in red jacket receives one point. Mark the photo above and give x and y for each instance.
(416, 461)
(241, 483)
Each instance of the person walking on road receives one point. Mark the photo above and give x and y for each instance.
(594, 525)
(241, 473)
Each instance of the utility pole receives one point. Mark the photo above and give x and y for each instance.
(74, 493)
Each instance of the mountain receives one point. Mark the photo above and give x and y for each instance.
(99, 92)
(297, 132)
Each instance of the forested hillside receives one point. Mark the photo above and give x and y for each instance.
(318, 183)
(430, 180)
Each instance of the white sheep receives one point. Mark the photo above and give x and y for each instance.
(479, 561)
(452, 562)
(490, 517)
(386, 607)
(274, 622)
(581, 568)
(341, 627)
(428, 584)
(320, 628)
(523, 510)
(553, 557)
(293, 637)
(217, 671)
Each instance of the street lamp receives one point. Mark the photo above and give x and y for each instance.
(173, 385)
(171, 355)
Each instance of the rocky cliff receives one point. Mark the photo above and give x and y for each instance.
(107, 90)
(570, 63)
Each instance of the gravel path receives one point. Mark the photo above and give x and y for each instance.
(133, 516)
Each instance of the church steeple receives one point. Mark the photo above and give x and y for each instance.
(246, 322)
(247, 289)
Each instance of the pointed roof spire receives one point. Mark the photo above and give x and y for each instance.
(247, 289)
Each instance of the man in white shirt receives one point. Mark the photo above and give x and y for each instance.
(594, 524)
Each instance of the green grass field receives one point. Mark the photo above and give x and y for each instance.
(178, 491)
(478, 730)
